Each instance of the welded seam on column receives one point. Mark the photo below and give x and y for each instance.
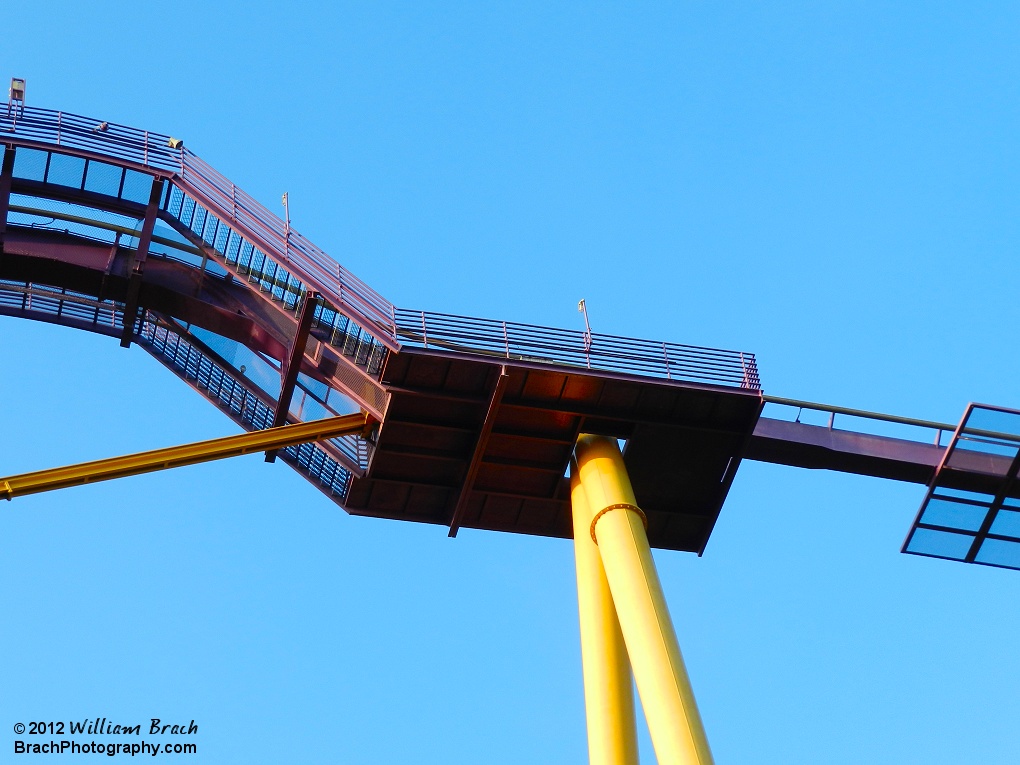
(617, 506)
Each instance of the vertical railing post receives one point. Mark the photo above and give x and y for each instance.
(393, 320)
(665, 355)
(145, 149)
(424, 330)
(506, 340)
(60, 122)
(743, 368)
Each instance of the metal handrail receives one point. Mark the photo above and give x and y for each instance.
(153, 151)
(832, 411)
(290, 249)
(160, 154)
(863, 414)
(551, 345)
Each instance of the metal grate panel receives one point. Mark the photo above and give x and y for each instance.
(203, 373)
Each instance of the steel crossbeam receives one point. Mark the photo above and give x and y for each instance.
(292, 364)
(138, 263)
(6, 176)
(179, 456)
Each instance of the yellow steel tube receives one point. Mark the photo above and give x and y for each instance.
(178, 456)
(678, 735)
(608, 694)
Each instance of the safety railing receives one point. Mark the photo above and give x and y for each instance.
(60, 306)
(548, 345)
(83, 135)
(252, 264)
(858, 420)
(340, 286)
(302, 265)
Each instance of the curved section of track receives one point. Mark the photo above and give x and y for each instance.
(218, 290)
(128, 233)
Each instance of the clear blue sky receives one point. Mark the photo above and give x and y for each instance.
(834, 189)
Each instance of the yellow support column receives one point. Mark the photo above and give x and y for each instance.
(608, 695)
(618, 528)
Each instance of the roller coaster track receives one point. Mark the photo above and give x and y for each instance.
(128, 233)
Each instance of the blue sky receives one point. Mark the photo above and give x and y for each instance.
(833, 188)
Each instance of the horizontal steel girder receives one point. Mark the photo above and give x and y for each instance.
(179, 456)
(812, 446)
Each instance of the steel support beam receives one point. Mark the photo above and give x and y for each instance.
(383, 333)
(814, 446)
(179, 456)
(618, 528)
(105, 225)
(376, 392)
(6, 174)
(292, 364)
(476, 457)
(138, 265)
(608, 692)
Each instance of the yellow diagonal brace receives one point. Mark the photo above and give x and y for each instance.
(179, 456)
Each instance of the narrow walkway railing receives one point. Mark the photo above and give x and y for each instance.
(342, 291)
(549, 345)
(157, 151)
(861, 421)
